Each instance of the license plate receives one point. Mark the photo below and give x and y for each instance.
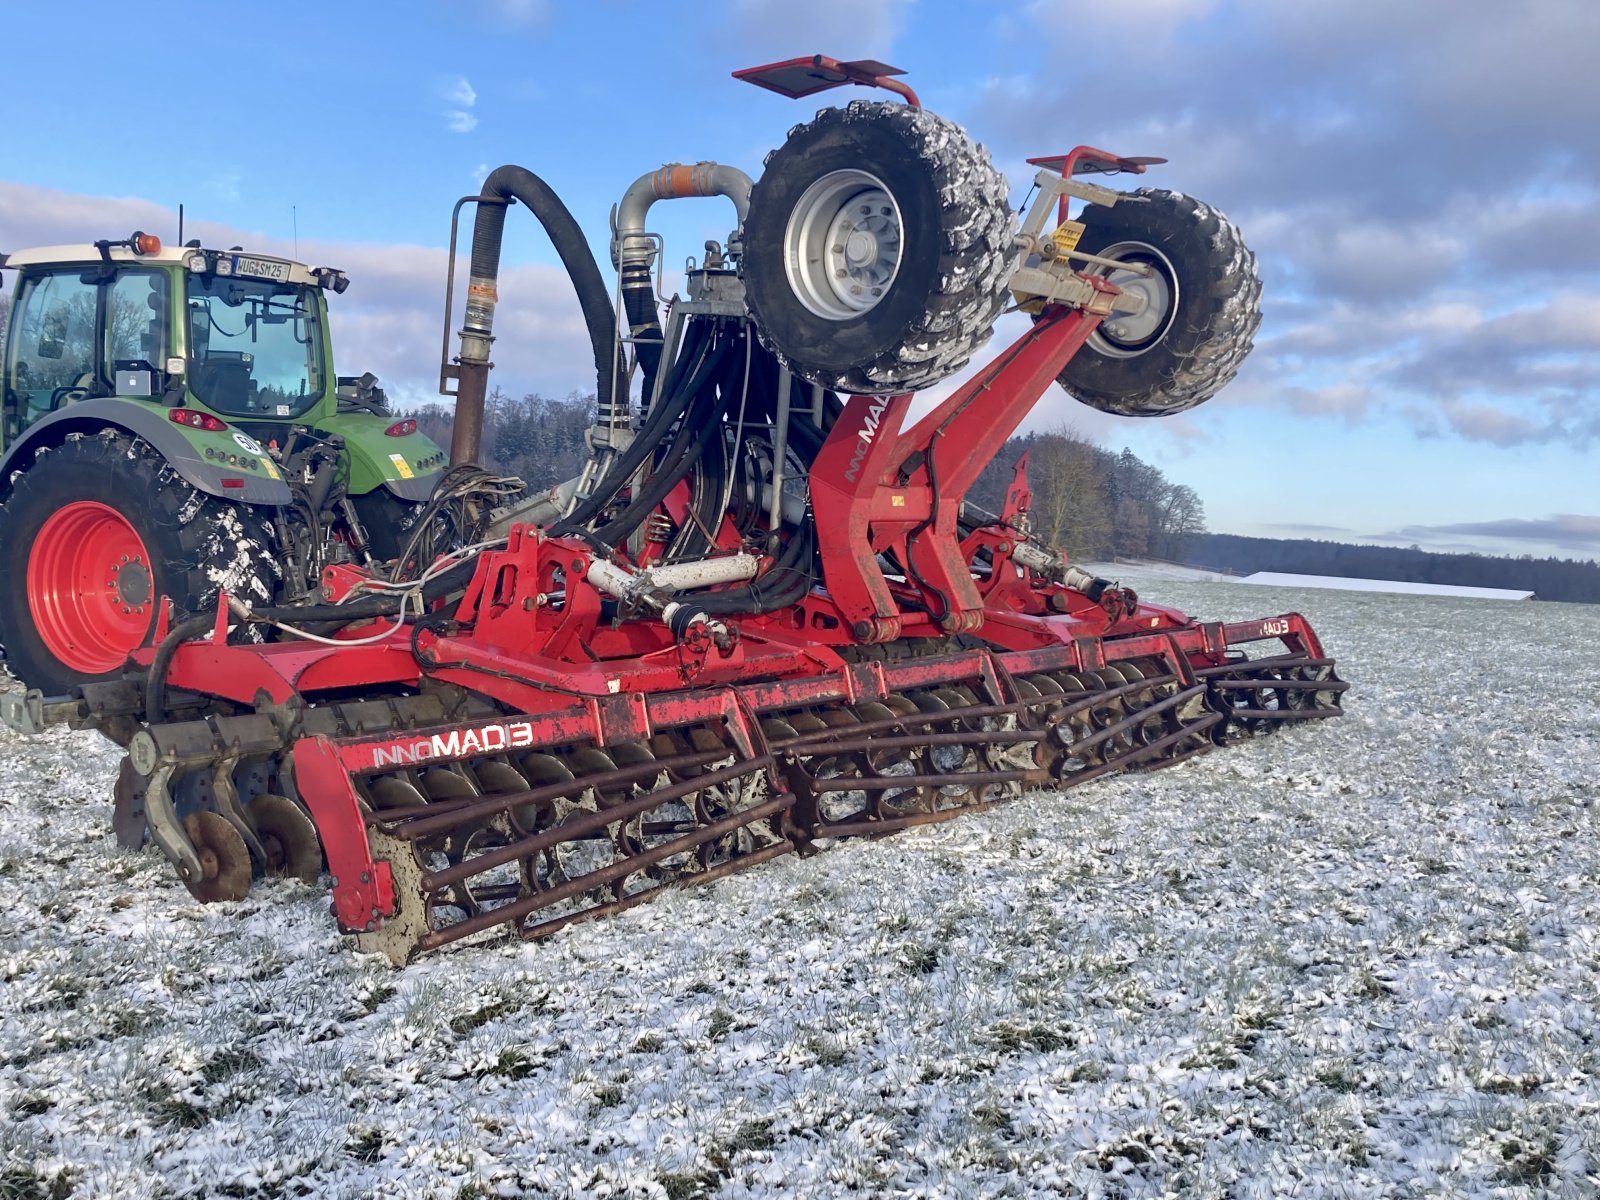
(261, 268)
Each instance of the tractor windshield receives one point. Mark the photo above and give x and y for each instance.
(255, 346)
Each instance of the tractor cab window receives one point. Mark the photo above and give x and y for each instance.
(51, 355)
(75, 329)
(136, 321)
(255, 346)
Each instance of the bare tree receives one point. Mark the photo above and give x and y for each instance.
(1070, 511)
(1131, 533)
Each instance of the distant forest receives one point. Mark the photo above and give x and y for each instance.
(1550, 578)
(1088, 502)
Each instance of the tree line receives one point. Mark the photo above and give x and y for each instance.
(1549, 578)
(1092, 503)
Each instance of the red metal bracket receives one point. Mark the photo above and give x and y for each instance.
(363, 889)
(880, 490)
(797, 77)
(1087, 160)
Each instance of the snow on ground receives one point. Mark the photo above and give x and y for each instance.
(1147, 569)
(1356, 959)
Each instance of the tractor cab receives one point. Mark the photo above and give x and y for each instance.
(243, 336)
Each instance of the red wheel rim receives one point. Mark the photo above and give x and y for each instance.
(89, 587)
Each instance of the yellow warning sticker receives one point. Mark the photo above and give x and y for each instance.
(1066, 236)
(268, 466)
(401, 465)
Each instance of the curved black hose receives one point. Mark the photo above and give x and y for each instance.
(644, 323)
(519, 183)
(705, 422)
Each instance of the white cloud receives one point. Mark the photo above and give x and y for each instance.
(460, 95)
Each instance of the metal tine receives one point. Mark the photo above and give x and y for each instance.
(427, 819)
(605, 875)
(586, 823)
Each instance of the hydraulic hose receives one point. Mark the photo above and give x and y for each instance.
(518, 183)
(704, 424)
(645, 443)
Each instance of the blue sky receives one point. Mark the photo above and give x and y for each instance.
(1421, 182)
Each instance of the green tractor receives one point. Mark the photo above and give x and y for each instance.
(172, 428)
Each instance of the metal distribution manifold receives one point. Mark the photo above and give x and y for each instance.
(764, 617)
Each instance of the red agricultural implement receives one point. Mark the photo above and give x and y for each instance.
(764, 617)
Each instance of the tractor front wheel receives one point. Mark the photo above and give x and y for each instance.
(95, 532)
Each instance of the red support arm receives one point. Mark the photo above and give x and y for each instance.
(886, 490)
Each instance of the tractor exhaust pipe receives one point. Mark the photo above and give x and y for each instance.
(504, 186)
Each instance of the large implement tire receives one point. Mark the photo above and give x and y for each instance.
(1203, 306)
(877, 248)
(93, 534)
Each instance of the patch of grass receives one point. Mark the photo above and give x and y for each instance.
(24, 1181)
(696, 1185)
(920, 960)
(828, 1051)
(365, 1144)
(124, 1022)
(1211, 1058)
(31, 1106)
(649, 1043)
(67, 991)
(1337, 1078)
(173, 1110)
(513, 1062)
(1527, 1161)
(374, 996)
(1011, 1036)
(1510, 1085)
(721, 1023)
(751, 1136)
(608, 1095)
(229, 1063)
(479, 1017)
(993, 1117)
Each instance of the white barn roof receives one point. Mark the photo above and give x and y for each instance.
(1281, 579)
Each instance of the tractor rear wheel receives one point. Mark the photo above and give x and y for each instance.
(1202, 306)
(95, 532)
(877, 248)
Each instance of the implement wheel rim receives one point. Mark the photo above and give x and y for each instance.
(90, 588)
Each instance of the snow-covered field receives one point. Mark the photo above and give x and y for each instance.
(1358, 959)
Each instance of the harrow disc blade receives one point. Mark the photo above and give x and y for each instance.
(224, 860)
(288, 836)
